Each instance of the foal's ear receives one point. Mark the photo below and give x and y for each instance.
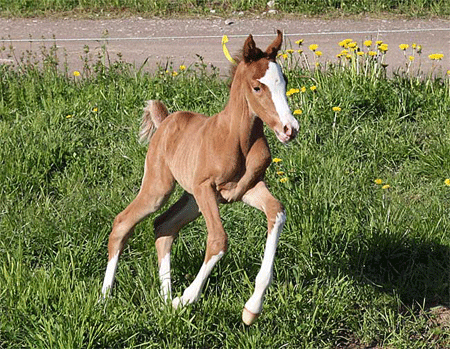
(250, 52)
(275, 46)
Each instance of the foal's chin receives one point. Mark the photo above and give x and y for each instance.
(283, 138)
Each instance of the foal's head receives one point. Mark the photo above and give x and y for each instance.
(264, 86)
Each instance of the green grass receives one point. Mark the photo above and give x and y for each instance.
(410, 8)
(357, 264)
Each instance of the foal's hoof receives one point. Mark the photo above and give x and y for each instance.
(248, 317)
(177, 303)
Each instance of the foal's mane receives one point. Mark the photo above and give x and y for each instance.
(257, 55)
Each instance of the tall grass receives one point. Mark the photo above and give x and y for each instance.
(359, 263)
(410, 8)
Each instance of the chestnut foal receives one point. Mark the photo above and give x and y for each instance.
(215, 159)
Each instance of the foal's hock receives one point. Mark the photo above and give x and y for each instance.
(218, 159)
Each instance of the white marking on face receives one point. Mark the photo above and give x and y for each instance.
(264, 277)
(109, 275)
(164, 277)
(274, 80)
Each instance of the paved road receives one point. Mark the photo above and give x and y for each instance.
(180, 40)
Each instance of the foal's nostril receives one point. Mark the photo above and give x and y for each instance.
(287, 129)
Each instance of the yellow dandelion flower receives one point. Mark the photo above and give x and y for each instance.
(313, 88)
(76, 73)
(436, 56)
(448, 72)
(317, 64)
(283, 180)
(352, 45)
(313, 47)
(174, 73)
(336, 109)
(290, 51)
(403, 47)
(297, 112)
(344, 43)
(285, 55)
(411, 58)
(69, 116)
(303, 89)
(386, 186)
(292, 91)
(368, 43)
(383, 47)
(372, 53)
(300, 51)
(277, 160)
(318, 53)
(414, 45)
(280, 173)
(360, 53)
(95, 110)
(378, 181)
(379, 42)
(182, 67)
(447, 182)
(299, 42)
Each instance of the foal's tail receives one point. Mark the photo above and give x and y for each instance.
(154, 113)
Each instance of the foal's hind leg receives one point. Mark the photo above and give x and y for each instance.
(156, 187)
(167, 226)
(260, 198)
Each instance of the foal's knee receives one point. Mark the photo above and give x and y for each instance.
(120, 233)
(217, 245)
(273, 210)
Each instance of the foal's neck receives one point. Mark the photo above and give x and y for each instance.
(243, 125)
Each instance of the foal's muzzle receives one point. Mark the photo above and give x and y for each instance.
(288, 132)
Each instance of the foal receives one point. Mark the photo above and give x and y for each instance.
(218, 159)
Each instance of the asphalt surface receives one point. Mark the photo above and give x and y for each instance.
(181, 41)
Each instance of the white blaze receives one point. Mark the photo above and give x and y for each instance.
(274, 80)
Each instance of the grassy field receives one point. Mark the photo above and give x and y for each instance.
(409, 8)
(364, 258)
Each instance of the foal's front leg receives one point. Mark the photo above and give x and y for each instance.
(260, 198)
(216, 247)
(258, 159)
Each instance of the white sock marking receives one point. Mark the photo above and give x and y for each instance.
(164, 277)
(274, 80)
(264, 277)
(193, 292)
(109, 274)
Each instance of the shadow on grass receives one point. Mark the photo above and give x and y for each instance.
(418, 271)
